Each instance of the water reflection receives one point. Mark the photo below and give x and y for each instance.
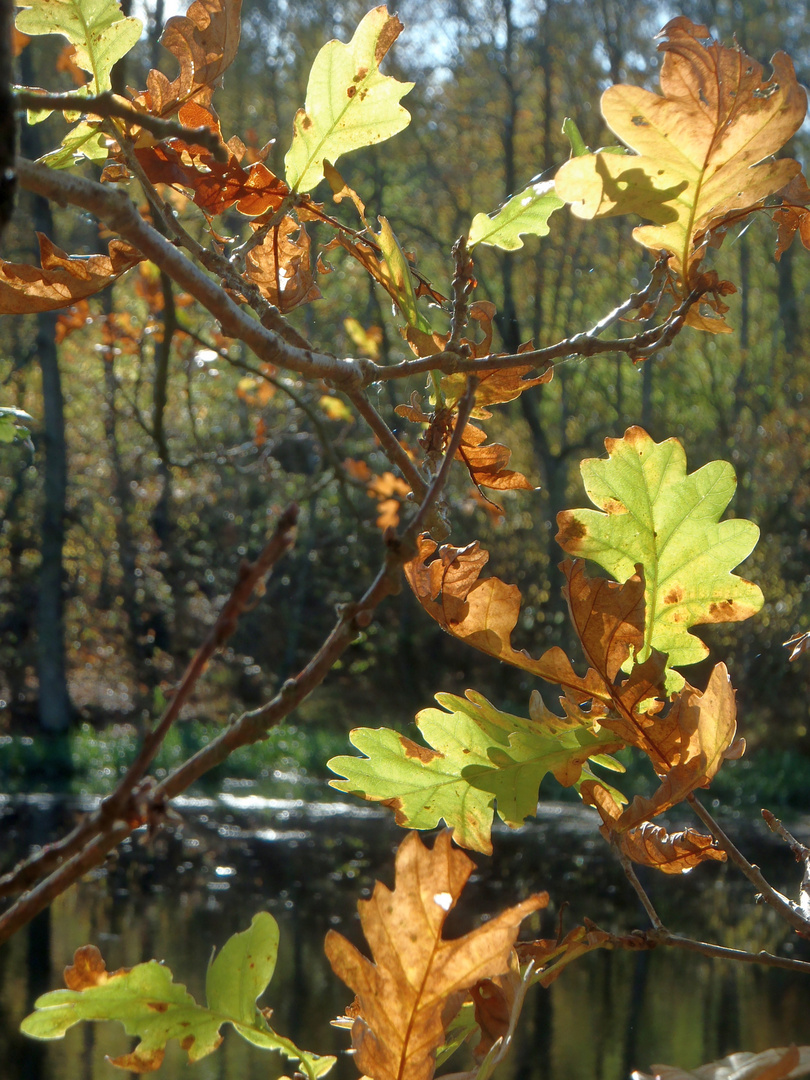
(184, 894)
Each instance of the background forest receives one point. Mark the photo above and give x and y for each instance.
(155, 456)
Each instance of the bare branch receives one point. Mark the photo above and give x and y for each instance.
(720, 952)
(119, 804)
(640, 891)
(637, 347)
(800, 852)
(112, 822)
(789, 911)
(389, 442)
(109, 104)
(117, 210)
(463, 284)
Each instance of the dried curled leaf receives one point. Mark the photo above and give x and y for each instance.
(551, 957)
(690, 742)
(280, 266)
(213, 185)
(418, 980)
(62, 279)
(672, 853)
(204, 42)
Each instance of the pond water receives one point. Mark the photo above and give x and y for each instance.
(184, 893)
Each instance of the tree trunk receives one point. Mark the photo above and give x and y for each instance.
(55, 707)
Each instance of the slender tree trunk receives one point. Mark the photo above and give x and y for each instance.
(788, 302)
(55, 707)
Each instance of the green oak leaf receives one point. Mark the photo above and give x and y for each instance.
(83, 140)
(653, 513)
(525, 213)
(479, 756)
(349, 103)
(151, 1006)
(97, 28)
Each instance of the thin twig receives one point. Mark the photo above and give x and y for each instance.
(633, 302)
(463, 284)
(639, 346)
(465, 407)
(118, 805)
(148, 802)
(801, 853)
(640, 891)
(677, 941)
(109, 104)
(800, 850)
(788, 910)
(117, 210)
(389, 442)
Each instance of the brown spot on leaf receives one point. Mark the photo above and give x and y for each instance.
(188, 1042)
(571, 532)
(422, 753)
(722, 612)
(361, 74)
(306, 123)
(396, 805)
(140, 1061)
(351, 91)
(158, 1006)
(613, 506)
(389, 34)
(674, 596)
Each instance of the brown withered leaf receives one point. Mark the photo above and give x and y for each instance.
(672, 853)
(495, 385)
(692, 741)
(418, 981)
(88, 969)
(280, 266)
(608, 617)
(204, 42)
(61, 280)
(214, 185)
(483, 612)
(487, 462)
(793, 216)
(493, 1000)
